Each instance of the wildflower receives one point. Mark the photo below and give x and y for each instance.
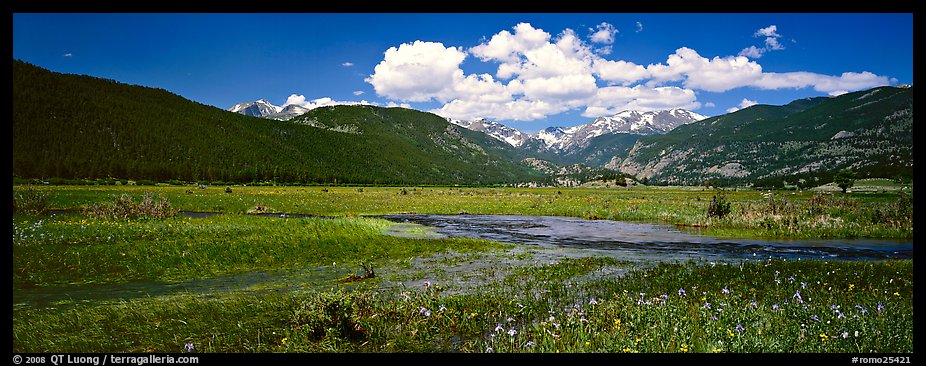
(681, 292)
(753, 304)
(442, 308)
(856, 334)
(815, 318)
(427, 283)
(730, 333)
(587, 343)
(880, 307)
(189, 346)
(823, 337)
(851, 286)
(896, 294)
(774, 306)
(512, 332)
(425, 312)
(510, 319)
(583, 319)
(841, 315)
(529, 344)
(797, 295)
(684, 348)
(725, 290)
(791, 278)
(617, 323)
(592, 301)
(498, 328)
(845, 335)
(283, 341)
(862, 308)
(714, 318)
(777, 281)
(739, 328)
(489, 349)
(803, 284)
(405, 294)
(707, 305)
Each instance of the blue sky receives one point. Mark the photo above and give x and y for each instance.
(529, 71)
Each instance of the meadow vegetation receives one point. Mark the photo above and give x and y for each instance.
(567, 304)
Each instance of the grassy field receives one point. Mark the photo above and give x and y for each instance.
(518, 299)
(755, 214)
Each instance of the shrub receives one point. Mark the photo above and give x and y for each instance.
(228, 189)
(330, 315)
(31, 201)
(124, 207)
(719, 206)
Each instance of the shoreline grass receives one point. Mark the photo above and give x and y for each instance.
(754, 214)
(568, 304)
(817, 307)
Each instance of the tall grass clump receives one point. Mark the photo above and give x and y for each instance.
(30, 201)
(125, 207)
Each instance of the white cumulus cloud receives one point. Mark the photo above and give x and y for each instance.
(745, 103)
(771, 42)
(613, 99)
(301, 101)
(416, 72)
(539, 74)
(603, 33)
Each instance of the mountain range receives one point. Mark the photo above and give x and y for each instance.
(73, 126)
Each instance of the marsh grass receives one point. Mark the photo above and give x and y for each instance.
(124, 206)
(30, 201)
(781, 214)
(725, 307)
(69, 249)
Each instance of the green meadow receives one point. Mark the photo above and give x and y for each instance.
(235, 282)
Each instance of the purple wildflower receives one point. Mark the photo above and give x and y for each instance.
(880, 307)
(707, 305)
(725, 290)
(803, 284)
(592, 301)
(797, 295)
(529, 344)
(681, 292)
(791, 278)
(424, 311)
(774, 306)
(512, 332)
(189, 346)
(498, 328)
(815, 318)
(841, 315)
(739, 328)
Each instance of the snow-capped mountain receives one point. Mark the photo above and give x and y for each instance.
(570, 138)
(264, 109)
(634, 122)
(259, 108)
(497, 130)
(288, 112)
